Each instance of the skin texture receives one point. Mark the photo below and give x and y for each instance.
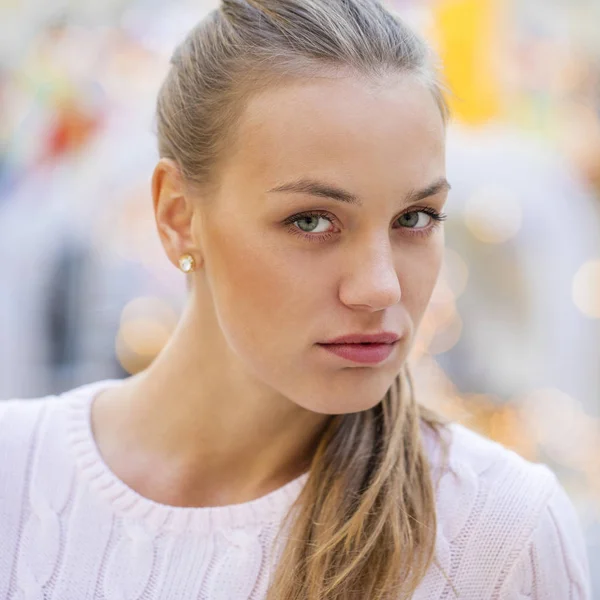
(234, 405)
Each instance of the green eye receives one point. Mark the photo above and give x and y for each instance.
(411, 219)
(308, 224)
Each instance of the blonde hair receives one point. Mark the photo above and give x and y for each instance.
(364, 525)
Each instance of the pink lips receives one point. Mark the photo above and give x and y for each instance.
(385, 337)
(362, 348)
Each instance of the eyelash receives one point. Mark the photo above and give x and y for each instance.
(422, 232)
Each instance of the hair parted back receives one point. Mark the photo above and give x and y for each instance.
(364, 525)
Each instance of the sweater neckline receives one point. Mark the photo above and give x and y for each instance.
(128, 503)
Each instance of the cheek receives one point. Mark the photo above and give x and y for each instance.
(262, 292)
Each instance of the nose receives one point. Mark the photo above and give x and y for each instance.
(371, 281)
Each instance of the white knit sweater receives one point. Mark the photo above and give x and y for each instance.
(71, 530)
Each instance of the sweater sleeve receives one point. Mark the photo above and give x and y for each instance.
(553, 565)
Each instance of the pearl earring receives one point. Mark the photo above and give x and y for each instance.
(187, 263)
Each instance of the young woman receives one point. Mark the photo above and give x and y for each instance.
(275, 448)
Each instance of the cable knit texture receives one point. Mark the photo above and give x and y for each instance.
(71, 530)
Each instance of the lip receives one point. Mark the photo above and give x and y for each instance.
(385, 337)
(361, 353)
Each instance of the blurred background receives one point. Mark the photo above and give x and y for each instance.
(510, 345)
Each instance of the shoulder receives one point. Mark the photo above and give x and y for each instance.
(37, 471)
(486, 486)
(553, 563)
(503, 521)
(36, 427)
(477, 466)
(19, 424)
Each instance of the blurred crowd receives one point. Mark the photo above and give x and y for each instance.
(511, 343)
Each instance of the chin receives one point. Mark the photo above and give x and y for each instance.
(346, 406)
(336, 398)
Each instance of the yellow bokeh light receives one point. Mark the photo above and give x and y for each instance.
(507, 427)
(132, 363)
(147, 323)
(559, 424)
(493, 215)
(144, 336)
(469, 37)
(586, 289)
(148, 307)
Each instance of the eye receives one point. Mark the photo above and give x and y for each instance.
(312, 226)
(313, 223)
(413, 218)
(423, 221)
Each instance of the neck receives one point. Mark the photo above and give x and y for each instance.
(197, 417)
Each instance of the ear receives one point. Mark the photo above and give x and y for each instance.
(173, 212)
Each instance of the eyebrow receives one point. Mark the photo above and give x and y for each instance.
(314, 187)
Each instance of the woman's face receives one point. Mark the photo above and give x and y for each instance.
(322, 228)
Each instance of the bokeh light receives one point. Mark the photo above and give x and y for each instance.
(493, 215)
(146, 326)
(586, 289)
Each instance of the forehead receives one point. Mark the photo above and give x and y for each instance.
(392, 132)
